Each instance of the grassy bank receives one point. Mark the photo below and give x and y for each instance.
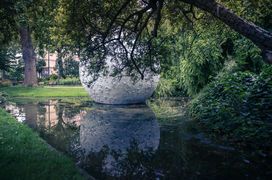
(47, 91)
(25, 156)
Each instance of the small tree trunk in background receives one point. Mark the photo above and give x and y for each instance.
(29, 57)
(4, 76)
(60, 65)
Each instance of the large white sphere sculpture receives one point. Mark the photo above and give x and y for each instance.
(115, 90)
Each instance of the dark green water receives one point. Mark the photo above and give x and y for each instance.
(138, 141)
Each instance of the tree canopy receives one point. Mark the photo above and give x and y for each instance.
(131, 29)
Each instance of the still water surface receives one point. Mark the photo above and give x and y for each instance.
(154, 141)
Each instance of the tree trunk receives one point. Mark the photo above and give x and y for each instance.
(59, 64)
(29, 57)
(4, 76)
(259, 36)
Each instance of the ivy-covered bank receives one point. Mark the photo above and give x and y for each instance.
(237, 106)
(23, 155)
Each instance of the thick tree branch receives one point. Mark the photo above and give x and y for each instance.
(126, 29)
(135, 44)
(259, 36)
(158, 18)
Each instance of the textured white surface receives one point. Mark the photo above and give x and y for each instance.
(112, 90)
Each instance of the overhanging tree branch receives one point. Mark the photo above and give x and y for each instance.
(258, 35)
(134, 26)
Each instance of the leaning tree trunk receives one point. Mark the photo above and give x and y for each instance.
(259, 36)
(29, 57)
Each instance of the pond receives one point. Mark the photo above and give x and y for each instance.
(154, 141)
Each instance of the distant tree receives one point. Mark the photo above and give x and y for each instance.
(40, 66)
(71, 67)
(59, 63)
(4, 60)
(27, 20)
(16, 73)
(8, 58)
(62, 35)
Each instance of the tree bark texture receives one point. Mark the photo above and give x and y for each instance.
(29, 57)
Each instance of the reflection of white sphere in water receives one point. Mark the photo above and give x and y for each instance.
(113, 90)
(116, 127)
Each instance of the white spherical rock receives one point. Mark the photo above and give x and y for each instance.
(114, 90)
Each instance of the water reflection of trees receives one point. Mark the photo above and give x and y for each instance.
(168, 161)
(57, 123)
(183, 151)
(127, 142)
(134, 164)
(177, 157)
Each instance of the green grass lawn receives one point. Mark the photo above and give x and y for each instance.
(47, 91)
(23, 155)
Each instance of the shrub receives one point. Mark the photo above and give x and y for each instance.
(5, 83)
(165, 88)
(71, 68)
(64, 81)
(69, 81)
(237, 106)
(53, 77)
(3, 98)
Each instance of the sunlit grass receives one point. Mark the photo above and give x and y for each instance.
(47, 91)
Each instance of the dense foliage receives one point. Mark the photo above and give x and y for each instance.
(16, 73)
(40, 64)
(236, 100)
(4, 59)
(71, 67)
(192, 56)
(237, 106)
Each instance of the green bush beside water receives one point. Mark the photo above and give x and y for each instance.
(238, 107)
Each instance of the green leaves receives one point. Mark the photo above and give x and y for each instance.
(237, 106)
(40, 65)
(71, 68)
